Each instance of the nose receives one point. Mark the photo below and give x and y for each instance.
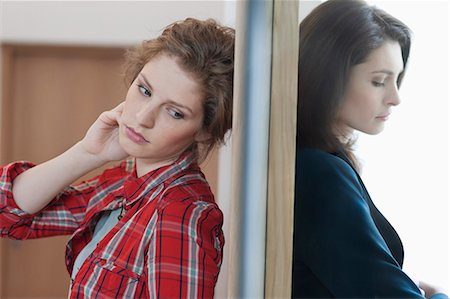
(146, 115)
(393, 98)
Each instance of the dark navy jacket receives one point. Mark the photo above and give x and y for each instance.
(343, 246)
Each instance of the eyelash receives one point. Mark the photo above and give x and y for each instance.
(377, 84)
(173, 113)
(144, 90)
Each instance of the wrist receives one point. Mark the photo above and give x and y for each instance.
(83, 160)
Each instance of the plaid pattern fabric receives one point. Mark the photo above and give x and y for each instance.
(167, 245)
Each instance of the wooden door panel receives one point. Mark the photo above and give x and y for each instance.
(53, 95)
(55, 99)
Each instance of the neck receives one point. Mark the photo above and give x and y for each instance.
(144, 166)
(343, 133)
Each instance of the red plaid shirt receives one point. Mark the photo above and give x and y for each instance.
(167, 245)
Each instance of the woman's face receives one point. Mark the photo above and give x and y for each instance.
(163, 112)
(371, 91)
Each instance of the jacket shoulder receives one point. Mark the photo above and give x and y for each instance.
(317, 163)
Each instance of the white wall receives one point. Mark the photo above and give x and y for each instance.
(224, 178)
(305, 7)
(96, 22)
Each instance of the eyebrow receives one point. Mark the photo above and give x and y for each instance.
(145, 80)
(169, 100)
(387, 72)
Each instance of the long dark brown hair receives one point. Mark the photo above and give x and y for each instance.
(334, 37)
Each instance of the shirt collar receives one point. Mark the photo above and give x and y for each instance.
(136, 188)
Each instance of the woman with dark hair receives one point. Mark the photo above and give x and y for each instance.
(352, 59)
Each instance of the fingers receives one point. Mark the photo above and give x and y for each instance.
(112, 117)
(119, 108)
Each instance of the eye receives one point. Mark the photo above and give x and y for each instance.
(144, 90)
(175, 114)
(377, 84)
(399, 81)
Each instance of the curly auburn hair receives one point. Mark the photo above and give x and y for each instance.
(205, 50)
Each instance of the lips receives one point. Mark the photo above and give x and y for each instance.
(135, 136)
(384, 116)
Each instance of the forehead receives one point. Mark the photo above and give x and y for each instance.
(169, 81)
(387, 57)
(166, 65)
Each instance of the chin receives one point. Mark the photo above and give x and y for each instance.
(127, 146)
(373, 131)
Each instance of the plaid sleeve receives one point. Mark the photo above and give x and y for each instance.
(61, 217)
(185, 256)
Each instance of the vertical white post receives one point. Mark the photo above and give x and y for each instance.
(251, 116)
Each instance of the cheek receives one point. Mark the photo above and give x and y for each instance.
(181, 137)
(349, 108)
(130, 104)
(126, 111)
(359, 103)
(130, 91)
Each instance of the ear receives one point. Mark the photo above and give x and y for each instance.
(202, 136)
